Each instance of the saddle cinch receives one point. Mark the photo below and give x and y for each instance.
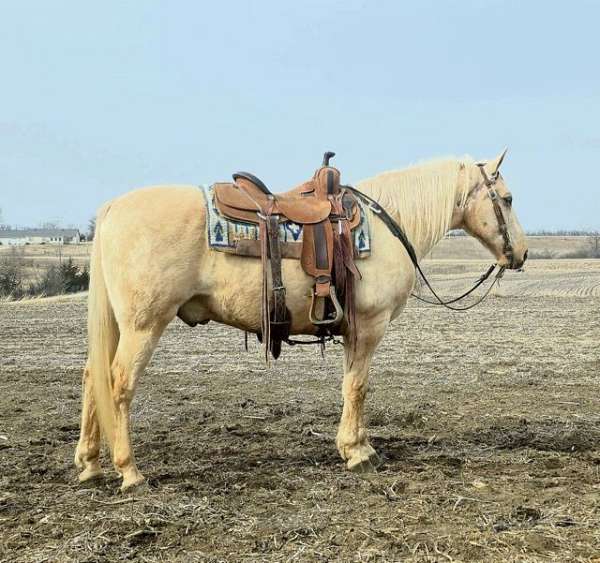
(327, 213)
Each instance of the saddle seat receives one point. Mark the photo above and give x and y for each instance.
(305, 204)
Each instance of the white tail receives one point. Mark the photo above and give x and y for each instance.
(103, 337)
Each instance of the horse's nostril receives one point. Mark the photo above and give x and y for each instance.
(525, 256)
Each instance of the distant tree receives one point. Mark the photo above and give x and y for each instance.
(91, 228)
(57, 279)
(73, 278)
(594, 243)
(51, 225)
(561, 233)
(12, 273)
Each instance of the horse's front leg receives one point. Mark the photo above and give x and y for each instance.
(352, 440)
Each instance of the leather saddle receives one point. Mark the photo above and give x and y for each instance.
(242, 199)
(327, 213)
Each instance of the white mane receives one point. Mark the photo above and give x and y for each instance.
(422, 197)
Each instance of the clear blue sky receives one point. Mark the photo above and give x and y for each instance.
(99, 98)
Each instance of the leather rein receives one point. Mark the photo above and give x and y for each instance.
(490, 183)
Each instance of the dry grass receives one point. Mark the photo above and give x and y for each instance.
(38, 257)
(36, 299)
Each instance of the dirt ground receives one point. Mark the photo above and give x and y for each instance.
(488, 422)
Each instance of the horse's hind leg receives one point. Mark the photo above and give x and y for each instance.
(133, 354)
(352, 440)
(88, 448)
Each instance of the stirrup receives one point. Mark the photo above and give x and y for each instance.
(339, 312)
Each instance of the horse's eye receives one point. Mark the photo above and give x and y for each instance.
(508, 200)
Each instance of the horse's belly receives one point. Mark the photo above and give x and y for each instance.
(235, 297)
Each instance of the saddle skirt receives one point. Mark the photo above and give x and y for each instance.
(242, 238)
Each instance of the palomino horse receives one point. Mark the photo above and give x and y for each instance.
(151, 260)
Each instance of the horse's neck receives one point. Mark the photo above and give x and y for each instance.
(423, 245)
(428, 234)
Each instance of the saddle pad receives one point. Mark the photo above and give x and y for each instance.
(238, 237)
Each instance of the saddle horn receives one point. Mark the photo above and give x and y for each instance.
(327, 157)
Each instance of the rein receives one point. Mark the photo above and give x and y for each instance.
(399, 233)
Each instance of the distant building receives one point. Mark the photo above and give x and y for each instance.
(18, 237)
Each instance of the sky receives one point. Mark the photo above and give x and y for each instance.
(99, 98)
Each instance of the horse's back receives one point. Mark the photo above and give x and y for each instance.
(165, 203)
(155, 210)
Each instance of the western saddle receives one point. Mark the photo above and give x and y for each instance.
(327, 213)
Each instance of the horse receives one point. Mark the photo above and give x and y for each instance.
(151, 262)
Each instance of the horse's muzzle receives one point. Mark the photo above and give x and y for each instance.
(516, 263)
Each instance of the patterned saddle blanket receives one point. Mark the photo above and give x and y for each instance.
(237, 237)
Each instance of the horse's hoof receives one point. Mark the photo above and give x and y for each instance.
(134, 481)
(362, 466)
(137, 489)
(91, 473)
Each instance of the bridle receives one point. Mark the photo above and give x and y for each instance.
(490, 183)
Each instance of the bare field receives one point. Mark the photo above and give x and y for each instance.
(541, 278)
(461, 248)
(49, 253)
(488, 421)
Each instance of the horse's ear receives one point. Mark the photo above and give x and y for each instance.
(494, 164)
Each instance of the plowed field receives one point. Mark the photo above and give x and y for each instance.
(488, 423)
